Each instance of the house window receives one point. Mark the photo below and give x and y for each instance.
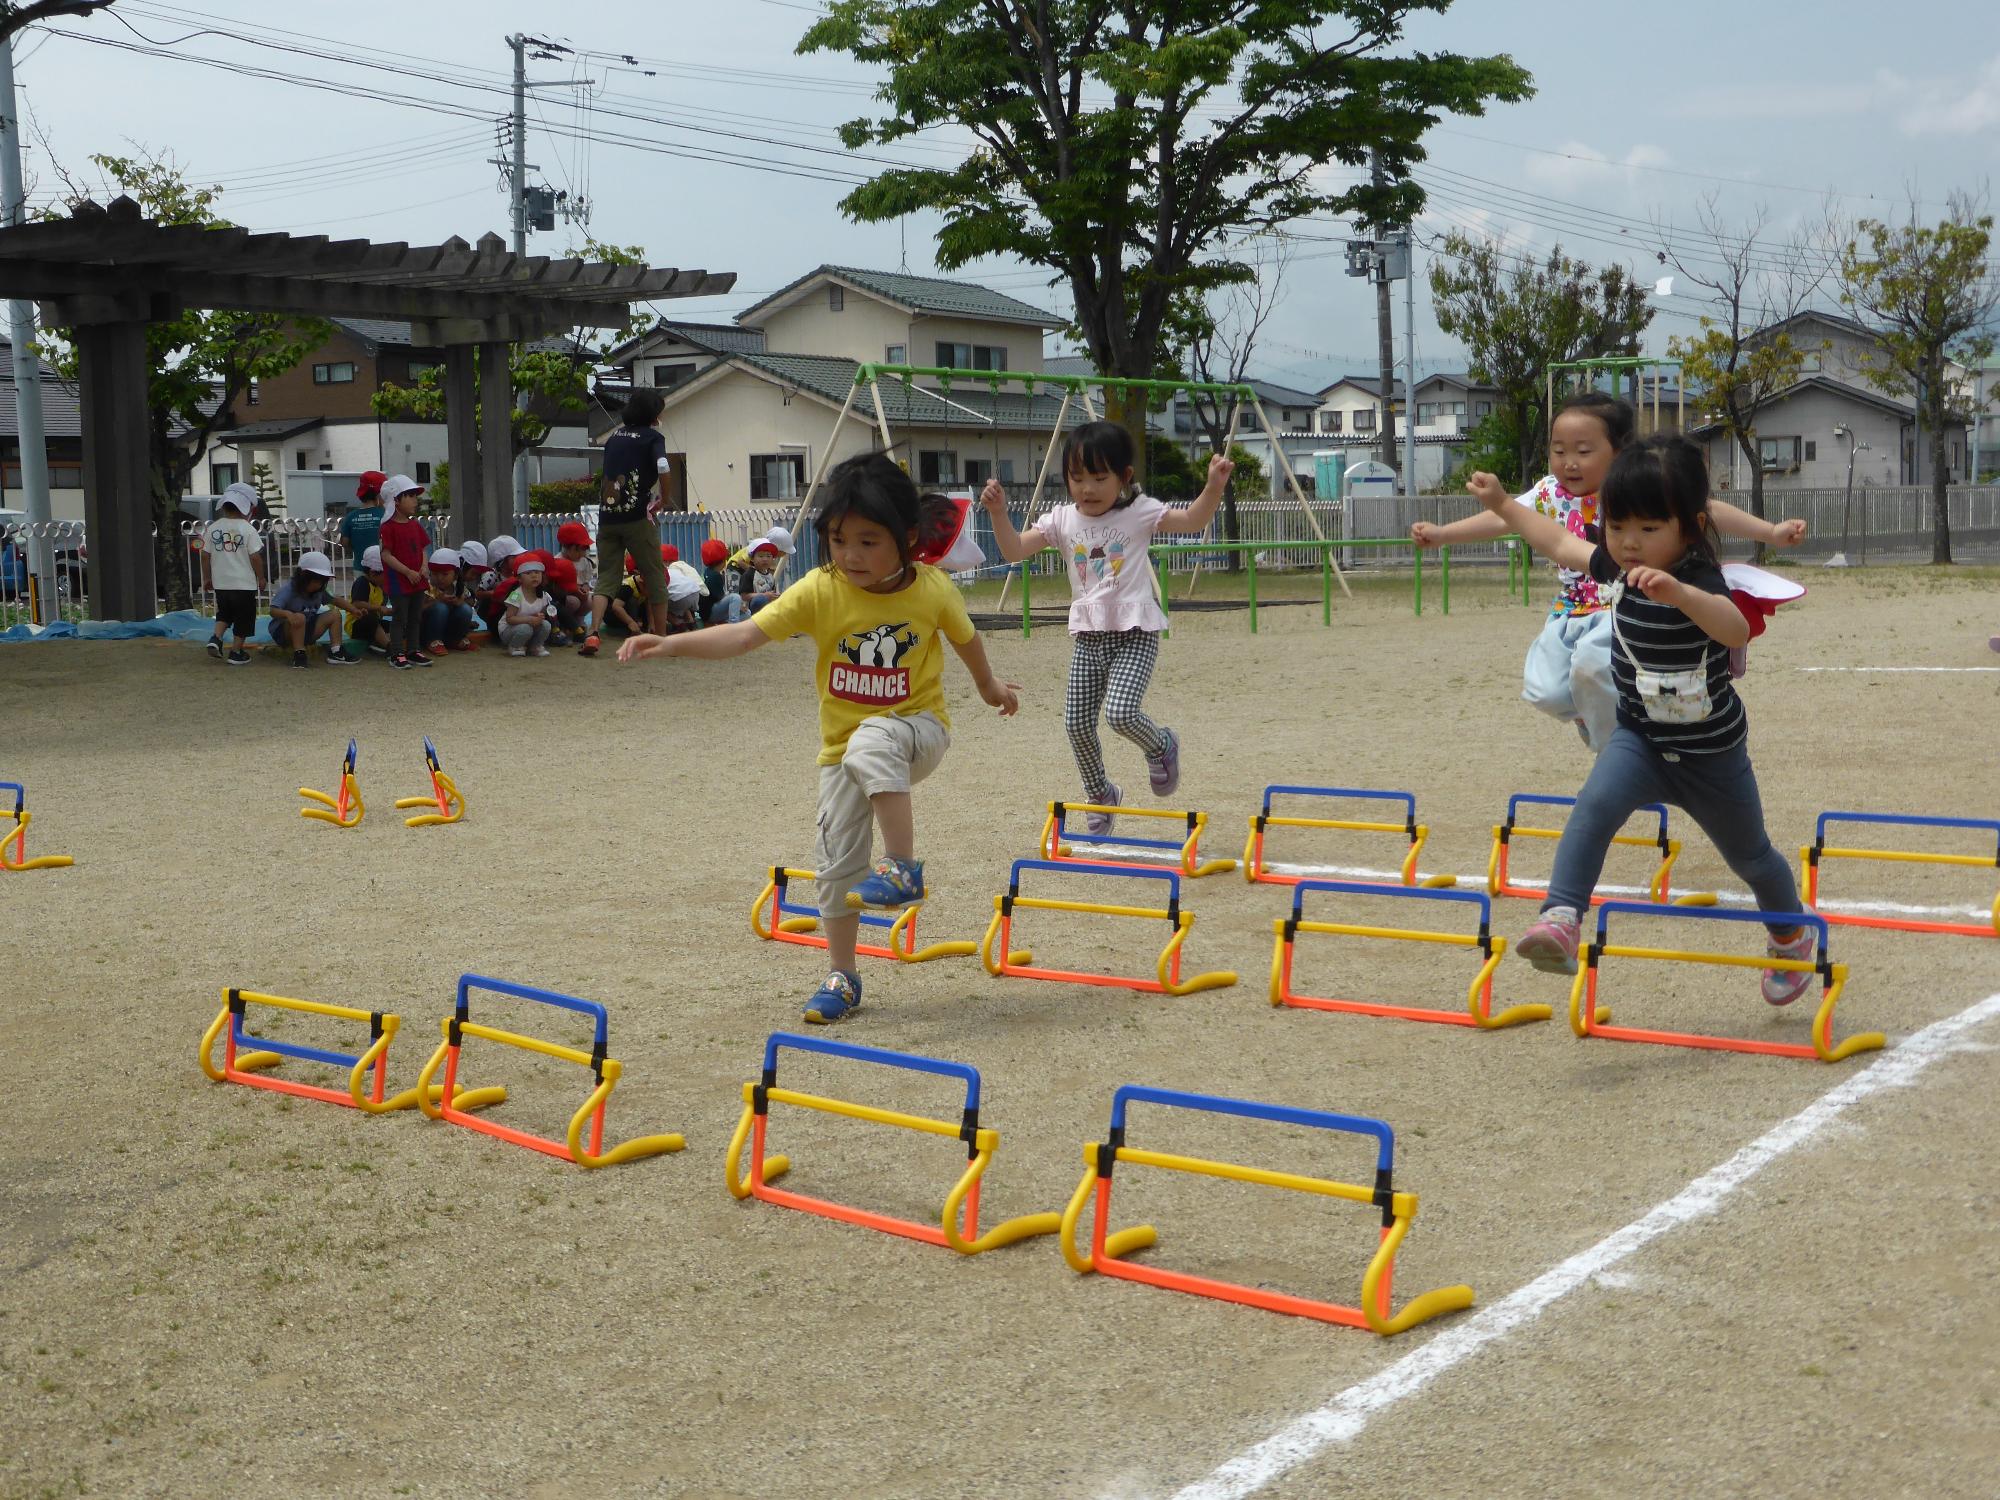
(1245, 420)
(777, 476)
(937, 467)
(666, 377)
(1483, 409)
(896, 354)
(222, 476)
(1812, 450)
(978, 471)
(335, 374)
(304, 459)
(1330, 421)
(1006, 471)
(1364, 421)
(1778, 453)
(419, 368)
(972, 356)
(1426, 413)
(836, 298)
(423, 474)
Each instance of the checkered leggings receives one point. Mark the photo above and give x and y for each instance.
(1109, 672)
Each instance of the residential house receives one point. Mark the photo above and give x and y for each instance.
(1981, 386)
(1451, 404)
(320, 415)
(62, 430)
(1352, 406)
(1805, 434)
(671, 352)
(752, 424)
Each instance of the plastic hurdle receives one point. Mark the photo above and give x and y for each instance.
(344, 809)
(1479, 995)
(1414, 832)
(606, 1070)
(1399, 1210)
(1587, 1018)
(1186, 851)
(1505, 833)
(1003, 960)
(445, 796)
(242, 1066)
(778, 919)
(1812, 854)
(14, 843)
(980, 1144)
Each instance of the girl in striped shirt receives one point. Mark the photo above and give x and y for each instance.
(1681, 729)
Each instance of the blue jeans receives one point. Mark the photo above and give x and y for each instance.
(450, 623)
(1568, 674)
(1718, 791)
(728, 610)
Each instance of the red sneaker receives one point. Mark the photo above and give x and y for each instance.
(589, 646)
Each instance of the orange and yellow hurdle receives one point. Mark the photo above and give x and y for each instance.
(1660, 888)
(1587, 1018)
(1413, 832)
(446, 802)
(961, 1203)
(778, 919)
(1057, 837)
(606, 1070)
(1003, 960)
(1811, 856)
(1478, 1010)
(344, 809)
(1108, 1251)
(14, 843)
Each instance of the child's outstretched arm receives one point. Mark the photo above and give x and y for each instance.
(1550, 538)
(1487, 526)
(1716, 614)
(1731, 521)
(1015, 546)
(713, 644)
(1005, 696)
(1195, 517)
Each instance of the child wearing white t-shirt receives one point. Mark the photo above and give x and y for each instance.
(232, 565)
(1115, 618)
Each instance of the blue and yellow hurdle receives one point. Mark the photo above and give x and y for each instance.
(344, 809)
(1108, 1253)
(439, 1105)
(245, 1056)
(1587, 1018)
(446, 801)
(1660, 888)
(776, 918)
(1059, 840)
(1818, 850)
(1003, 960)
(1478, 1009)
(961, 1203)
(1413, 832)
(14, 842)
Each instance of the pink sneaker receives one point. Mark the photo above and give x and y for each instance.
(1550, 944)
(1097, 824)
(1783, 986)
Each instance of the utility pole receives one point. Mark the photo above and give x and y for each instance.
(27, 368)
(518, 193)
(1409, 362)
(1384, 332)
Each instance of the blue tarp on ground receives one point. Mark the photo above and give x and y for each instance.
(181, 625)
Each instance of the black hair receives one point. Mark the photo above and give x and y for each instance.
(1101, 448)
(300, 575)
(874, 487)
(1662, 478)
(642, 408)
(1613, 411)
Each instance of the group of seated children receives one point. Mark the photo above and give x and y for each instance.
(411, 602)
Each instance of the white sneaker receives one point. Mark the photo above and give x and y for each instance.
(517, 650)
(538, 651)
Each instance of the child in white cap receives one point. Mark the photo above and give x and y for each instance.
(448, 613)
(302, 611)
(752, 575)
(368, 607)
(232, 564)
(525, 621)
(405, 548)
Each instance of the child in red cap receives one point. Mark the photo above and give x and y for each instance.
(361, 525)
(573, 600)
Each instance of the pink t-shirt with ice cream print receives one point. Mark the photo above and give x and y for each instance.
(1110, 572)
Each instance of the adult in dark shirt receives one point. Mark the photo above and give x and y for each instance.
(635, 490)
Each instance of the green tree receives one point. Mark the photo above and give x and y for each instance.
(1169, 474)
(200, 362)
(1517, 316)
(1745, 357)
(270, 494)
(554, 375)
(1929, 293)
(1123, 146)
(1494, 446)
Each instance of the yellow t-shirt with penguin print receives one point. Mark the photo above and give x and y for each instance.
(878, 653)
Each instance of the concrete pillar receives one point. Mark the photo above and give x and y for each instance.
(496, 440)
(117, 469)
(461, 430)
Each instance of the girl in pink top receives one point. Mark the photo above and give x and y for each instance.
(1115, 619)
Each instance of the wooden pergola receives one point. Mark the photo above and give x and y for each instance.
(104, 273)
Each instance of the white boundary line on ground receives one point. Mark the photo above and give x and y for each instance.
(1728, 898)
(1896, 669)
(1343, 1418)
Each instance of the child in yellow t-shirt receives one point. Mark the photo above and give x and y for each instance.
(879, 619)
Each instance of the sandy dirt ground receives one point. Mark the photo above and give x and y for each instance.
(212, 1290)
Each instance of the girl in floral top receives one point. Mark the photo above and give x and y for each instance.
(1568, 671)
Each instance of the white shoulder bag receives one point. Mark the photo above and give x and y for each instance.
(1668, 697)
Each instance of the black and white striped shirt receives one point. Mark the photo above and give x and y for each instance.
(1664, 640)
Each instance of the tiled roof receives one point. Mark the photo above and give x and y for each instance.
(930, 294)
(717, 338)
(62, 416)
(974, 408)
(1369, 383)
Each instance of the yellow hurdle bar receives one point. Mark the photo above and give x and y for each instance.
(1188, 858)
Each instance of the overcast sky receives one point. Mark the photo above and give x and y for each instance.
(1642, 110)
